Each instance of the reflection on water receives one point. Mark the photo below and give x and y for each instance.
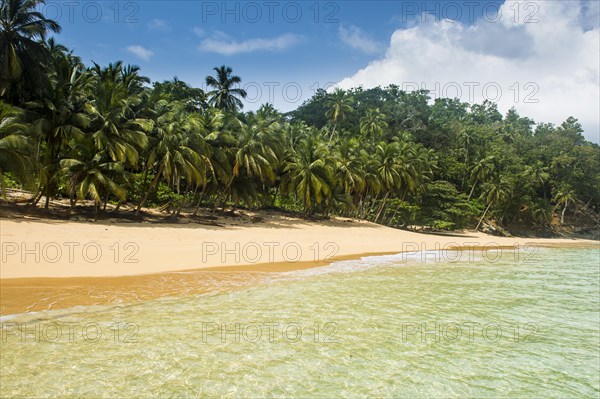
(377, 327)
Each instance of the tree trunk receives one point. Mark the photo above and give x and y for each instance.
(562, 216)
(391, 220)
(382, 206)
(482, 216)
(105, 201)
(332, 133)
(152, 186)
(199, 202)
(472, 189)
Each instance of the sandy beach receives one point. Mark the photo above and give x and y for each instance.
(49, 264)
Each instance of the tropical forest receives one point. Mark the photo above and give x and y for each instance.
(108, 139)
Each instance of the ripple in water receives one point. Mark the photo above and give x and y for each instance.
(377, 327)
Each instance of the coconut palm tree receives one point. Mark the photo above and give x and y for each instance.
(308, 174)
(339, 104)
(176, 149)
(61, 116)
(14, 146)
(349, 167)
(480, 171)
(373, 124)
(537, 175)
(256, 153)
(224, 96)
(118, 132)
(563, 197)
(494, 192)
(22, 55)
(92, 175)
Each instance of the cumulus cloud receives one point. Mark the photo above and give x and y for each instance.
(140, 52)
(357, 39)
(222, 44)
(547, 70)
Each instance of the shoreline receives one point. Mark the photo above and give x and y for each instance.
(28, 284)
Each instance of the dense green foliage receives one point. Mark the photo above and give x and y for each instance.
(106, 134)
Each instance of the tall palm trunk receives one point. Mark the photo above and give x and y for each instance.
(472, 189)
(332, 134)
(562, 215)
(482, 216)
(382, 206)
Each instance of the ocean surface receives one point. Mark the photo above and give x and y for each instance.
(495, 324)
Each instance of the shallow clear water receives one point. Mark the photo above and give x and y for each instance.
(377, 327)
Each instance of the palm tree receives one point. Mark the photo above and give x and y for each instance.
(373, 124)
(14, 146)
(91, 175)
(308, 174)
(537, 174)
(562, 198)
(119, 133)
(176, 149)
(21, 54)
(61, 116)
(480, 171)
(349, 167)
(257, 149)
(392, 171)
(494, 192)
(340, 104)
(224, 96)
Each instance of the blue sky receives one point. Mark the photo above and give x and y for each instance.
(284, 50)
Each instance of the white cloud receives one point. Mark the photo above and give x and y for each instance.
(222, 44)
(558, 56)
(140, 52)
(198, 31)
(357, 39)
(159, 24)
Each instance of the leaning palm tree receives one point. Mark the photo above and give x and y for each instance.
(480, 171)
(493, 193)
(21, 53)
(14, 146)
(563, 197)
(224, 96)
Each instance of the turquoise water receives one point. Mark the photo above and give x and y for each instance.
(377, 327)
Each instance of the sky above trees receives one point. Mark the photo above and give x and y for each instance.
(541, 57)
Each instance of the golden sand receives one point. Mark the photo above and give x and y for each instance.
(60, 264)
